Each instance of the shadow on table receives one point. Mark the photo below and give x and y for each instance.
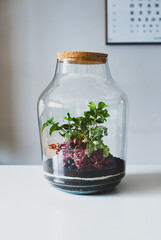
(138, 184)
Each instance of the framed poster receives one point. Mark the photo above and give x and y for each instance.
(133, 21)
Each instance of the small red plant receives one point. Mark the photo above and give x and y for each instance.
(57, 147)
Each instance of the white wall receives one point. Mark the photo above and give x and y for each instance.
(31, 33)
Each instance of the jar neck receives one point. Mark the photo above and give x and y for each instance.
(65, 68)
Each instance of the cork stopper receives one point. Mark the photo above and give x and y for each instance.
(82, 57)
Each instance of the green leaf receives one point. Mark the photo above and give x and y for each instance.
(68, 118)
(67, 137)
(92, 104)
(62, 134)
(92, 107)
(105, 131)
(96, 142)
(66, 126)
(54, 128)
(105, 151)
(100, 120)
(89, 148)
(85, 113)
(101, 105)
(91, 117)
(101, 146)
(105, 113)
(75, 120)
(49, 122)
(83, 124)
(98, 131)
(86, 140)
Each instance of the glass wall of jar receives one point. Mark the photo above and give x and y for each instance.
(82, 122)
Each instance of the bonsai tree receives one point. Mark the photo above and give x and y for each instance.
(83, 137)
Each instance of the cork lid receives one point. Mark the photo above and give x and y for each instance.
(82, 57)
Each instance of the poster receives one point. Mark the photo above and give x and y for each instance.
(133, 21)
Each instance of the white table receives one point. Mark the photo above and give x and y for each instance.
(30, 209)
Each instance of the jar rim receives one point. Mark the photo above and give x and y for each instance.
(83, 57)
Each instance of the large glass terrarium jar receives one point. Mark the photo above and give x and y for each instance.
(82, 121)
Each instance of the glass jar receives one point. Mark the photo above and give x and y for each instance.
(82, 122)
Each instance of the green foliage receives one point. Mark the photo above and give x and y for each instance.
(54, 127)
(102, 105)
(84, 130)
(49, 122)
(68, 118)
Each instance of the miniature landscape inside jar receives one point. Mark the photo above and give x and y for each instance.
(82, 162)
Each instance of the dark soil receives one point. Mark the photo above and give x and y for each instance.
(82, 181)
